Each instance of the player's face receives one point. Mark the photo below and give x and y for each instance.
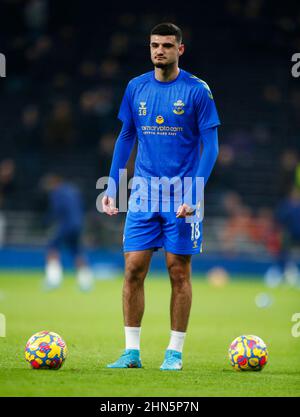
(165, 50)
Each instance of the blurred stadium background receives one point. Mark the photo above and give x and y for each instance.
(67, 68)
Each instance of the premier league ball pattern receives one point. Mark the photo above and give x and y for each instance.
(248, 353)
(45, 350)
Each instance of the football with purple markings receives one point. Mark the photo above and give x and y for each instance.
(248, 353)
(46, 350)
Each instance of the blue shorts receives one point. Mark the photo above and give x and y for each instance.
(69, 239)
(153, 230)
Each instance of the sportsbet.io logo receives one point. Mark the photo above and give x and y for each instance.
(2, 66)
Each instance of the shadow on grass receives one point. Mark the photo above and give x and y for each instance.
(265, 372)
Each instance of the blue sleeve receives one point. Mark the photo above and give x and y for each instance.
(122, 151)
(210, 150)
(125, 112)
(207, 114)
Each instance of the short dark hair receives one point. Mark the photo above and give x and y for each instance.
(166, 29)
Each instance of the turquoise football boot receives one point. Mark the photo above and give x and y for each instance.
(129, 359)
(172, 362)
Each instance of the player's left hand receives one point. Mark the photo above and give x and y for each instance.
(184, 211)
(108, 206)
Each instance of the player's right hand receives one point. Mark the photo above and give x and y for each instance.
(108, 206)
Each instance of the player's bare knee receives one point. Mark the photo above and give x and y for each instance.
(179, 276)
(135, 272)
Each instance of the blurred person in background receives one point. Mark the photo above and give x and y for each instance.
(235, 236)
(289, 163)
(60, 128)
(66, 211)
(29, 133)
(265, 231)
(36, 17)
(7, 178)
(7, 186)
(288, 217)
(244, 230)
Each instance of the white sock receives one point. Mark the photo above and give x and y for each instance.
(85, 277)
(54, 272)
(132, 337)
(176, 341)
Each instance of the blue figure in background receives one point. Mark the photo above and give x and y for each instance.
(288, 216)
(66, 211)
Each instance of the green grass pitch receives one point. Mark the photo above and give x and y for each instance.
(91, 324)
